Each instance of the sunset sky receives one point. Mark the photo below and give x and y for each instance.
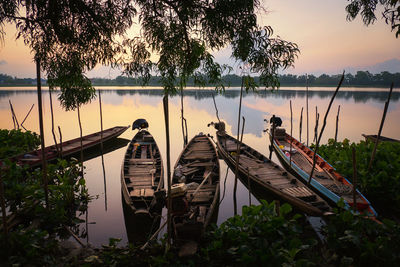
(328, 43)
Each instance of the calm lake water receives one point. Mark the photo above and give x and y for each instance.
(361, 112)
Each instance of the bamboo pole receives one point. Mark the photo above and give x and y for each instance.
(61, 149)
(14, 116)
(271, 146)
(380, 127)
(169, 202)
(354, 179)
(80, 132)
(183, 121)
(52, 123)
(237, 151)
(301, 123)
(307, 105)
(27, 116)
(323, 128)
(40, 109)
(291, 133)
(216, 109)
(102, 151)
(248, 176)
(316, 124)
(337, 123)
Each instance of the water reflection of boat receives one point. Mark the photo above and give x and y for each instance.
(264, 175)
(68, 148)
(326, 181)
(195, 192)
(142, 175)
(139, 225)
(372, 138)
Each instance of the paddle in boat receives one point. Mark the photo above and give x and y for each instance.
(195, 192)
(268, 177)
(297, 158)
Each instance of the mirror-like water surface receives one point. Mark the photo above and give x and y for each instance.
(361, 112)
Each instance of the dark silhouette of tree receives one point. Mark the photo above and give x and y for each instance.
(368, 8)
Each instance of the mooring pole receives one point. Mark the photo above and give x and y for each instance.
(291, 133)
(301, 123)
(102, 151)
(271, 146)
(381, 127)
(337, 123)
(237, 152)
(40, 109)
(169, 202)
(323, 128)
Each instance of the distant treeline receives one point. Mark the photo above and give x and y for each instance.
(360, 79)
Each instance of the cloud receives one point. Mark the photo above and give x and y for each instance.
(3, 62)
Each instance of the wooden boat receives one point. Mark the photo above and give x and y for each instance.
(142, 175)
(372, 138)
(326, 181)
(264, 174)
(195, 189)
(34, 158)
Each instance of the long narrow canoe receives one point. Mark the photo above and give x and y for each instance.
(34, 158)
(142, 175)
(195, 189)
(326, 181)
(269, 177)
(372, 138)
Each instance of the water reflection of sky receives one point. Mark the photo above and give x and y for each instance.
(360, 113)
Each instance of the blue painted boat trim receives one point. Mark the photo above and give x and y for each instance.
(315, 184)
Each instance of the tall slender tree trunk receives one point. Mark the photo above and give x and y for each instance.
(40, 110)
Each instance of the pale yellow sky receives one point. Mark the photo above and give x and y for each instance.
(328, 43)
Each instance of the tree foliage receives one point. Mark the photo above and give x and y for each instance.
(176, 40)
(367, 9)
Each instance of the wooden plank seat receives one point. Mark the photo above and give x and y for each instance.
(142, 192)
(301, 192)
(205, 196)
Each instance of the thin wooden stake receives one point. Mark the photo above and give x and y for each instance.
(323, 128)
(27, 116)
(80, 132)
(271, 146)
(316, 124)
(52, 123)
(337, 123)
(40, 109)
(301, 123)
(169, 202)
(61, 149)
(14, 116)
(153, 236)
(380, 127)
(307, 104)
(237, 152)
(216, 109)
(354, 179)
(102, 151)
(291, 133)
(183, 122)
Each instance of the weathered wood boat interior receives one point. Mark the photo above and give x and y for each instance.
(195, 192)
(142, 171)
(274, 179)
